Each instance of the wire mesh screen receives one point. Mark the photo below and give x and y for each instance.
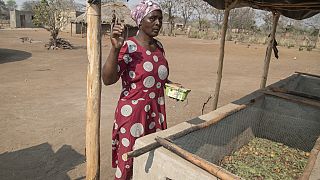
(304, 84)
(292, 124)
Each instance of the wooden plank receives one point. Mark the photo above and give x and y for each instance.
(93, 92)
(196, 160)
(311, 161)
(308, 74)
(292, 98)
(269, 51)
(300, 94)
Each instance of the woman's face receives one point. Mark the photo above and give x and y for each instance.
(151, 24)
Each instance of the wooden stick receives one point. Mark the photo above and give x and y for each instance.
(300, 94)
(295, 99)
(93, 92)
(221, 57)
(209, 167)
(308, 74)
(311, 161)
(269, 51)
(155, 145)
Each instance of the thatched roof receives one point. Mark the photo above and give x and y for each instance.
(295, 9)
(121, 11)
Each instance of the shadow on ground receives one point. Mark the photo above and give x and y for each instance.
(39, 162)
(11, 55)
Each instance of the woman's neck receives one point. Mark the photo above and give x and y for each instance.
(144, 39)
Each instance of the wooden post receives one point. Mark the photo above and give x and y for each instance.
(71, 29)
(221, 56)
(93, 91)
(269, 50)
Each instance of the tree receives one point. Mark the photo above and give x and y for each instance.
(29, 5)
(170, 7)
(4, 12)
(11, 5)
(201, 11)
(186, 9)
(217, 17)
(242, 18)
(53, 16)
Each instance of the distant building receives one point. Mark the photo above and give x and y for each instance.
(21, 19)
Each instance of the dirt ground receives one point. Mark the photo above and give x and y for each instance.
(43, 96)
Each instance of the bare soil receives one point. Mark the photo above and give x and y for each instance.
(43, 96)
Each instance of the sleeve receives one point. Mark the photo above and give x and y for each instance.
(123, 59)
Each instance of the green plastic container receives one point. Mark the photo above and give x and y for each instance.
(176, 92)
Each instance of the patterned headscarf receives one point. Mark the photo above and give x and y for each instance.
(142, 9)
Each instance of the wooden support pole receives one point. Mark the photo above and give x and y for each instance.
(221, 57)
(295, 99)
(209, 167)
(155, 145)
(93, 91)
(269, 50)
(71, 28)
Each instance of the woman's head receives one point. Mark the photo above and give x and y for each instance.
(148, 16)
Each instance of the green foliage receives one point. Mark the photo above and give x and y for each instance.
(11, 4)
(29, 5)
(53, 15)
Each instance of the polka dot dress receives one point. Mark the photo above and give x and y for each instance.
(141, 107)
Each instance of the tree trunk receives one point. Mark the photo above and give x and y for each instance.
(54, 35)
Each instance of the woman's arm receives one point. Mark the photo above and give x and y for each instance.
(110, 68)
(109, 71)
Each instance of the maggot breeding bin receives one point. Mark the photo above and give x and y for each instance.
(289, 115)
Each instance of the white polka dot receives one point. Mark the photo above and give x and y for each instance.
(153, 114)
(132, 74)
(118, 173)
(116, 161)
(149, 81)
(155, 58)
(158, 84)
(125, 142)
(113, 142)
(127, 166)
(136, 130)
(126, 110)
(161, 118)
(141, 99)
(161, 100)
(115, 126)
(148, 117)
(118, 68)
(134, 102)
(152, 125)
(152, 95)
(126, 93)
(147, 66)
(162, 72)
(133, 86)
(122, 130)
(147, 108)
(148, 52)
(125, 157)
(113, 148)
(146, 90)
(132, 47)
(127, 58)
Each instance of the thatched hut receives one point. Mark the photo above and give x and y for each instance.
(114, 12)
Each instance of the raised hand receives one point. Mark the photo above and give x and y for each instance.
(116, 36)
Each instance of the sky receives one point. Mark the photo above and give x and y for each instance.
(130, 3)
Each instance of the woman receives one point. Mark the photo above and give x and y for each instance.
(141, 64)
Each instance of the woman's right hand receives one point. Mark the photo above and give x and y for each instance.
(116, 37)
